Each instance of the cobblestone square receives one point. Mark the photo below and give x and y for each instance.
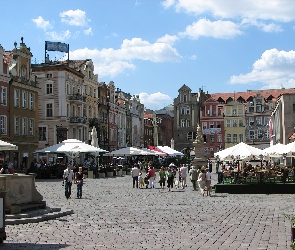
(113, 215)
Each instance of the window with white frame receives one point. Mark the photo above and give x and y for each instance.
(190, 135)
(211, 124)
(68, 110)
(204, 125)
(182, 123)
(235, 138)
(24, 72)
(90, 91)
(259, 134)
(266, 120)
(182, 110)
(259, 120)
(241, 137)
(25, 126)
(74, 133)
(48, 75)
(49, 110)
(31, 127)
(235, 123)
(266, 134)
(42, 133)
(85, 89)
(31, 99)
(3, 124)
(241, 123)
(188, 124)
(234, 111)
(219, 138)
(218, 124)
(211, 138)
(228, 137)
(16, 125)
(228, 123)
(49, 88)
(251, 121)
(251, 134)
(94, 92)
(80, 134)
(16, 98)
(187, 110)
(24, 99)
(3, 95)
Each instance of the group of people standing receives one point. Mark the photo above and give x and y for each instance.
(200, 177)
(69, 177)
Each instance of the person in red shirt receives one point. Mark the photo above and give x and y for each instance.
(152, 175)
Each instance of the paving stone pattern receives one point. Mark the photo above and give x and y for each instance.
(113, 215)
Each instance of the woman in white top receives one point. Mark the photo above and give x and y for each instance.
(202, 180)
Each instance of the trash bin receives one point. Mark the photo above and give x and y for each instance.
(2, 218)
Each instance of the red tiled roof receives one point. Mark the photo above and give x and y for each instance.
(245, 95)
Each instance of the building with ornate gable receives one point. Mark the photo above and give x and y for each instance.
(22, 101)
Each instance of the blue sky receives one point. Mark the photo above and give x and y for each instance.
(151, 48)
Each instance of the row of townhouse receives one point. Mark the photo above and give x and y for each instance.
(227, 119)
(44, 104)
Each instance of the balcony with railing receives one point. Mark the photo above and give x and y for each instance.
(77, 97)
(76, 119)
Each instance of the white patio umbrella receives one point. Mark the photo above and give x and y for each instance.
(240, 151)
(7, 146)
(71, 145)
(288, 149)
(272, 151)
(128, 151)
(170, 151)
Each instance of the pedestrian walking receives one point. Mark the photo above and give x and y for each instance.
(152, 175)
(193, 173)
(79, 181)
(162, 177)
(202, 180)
(170, 178)
(68, 178)
(183, 173)
(208, 181)
(134, 174)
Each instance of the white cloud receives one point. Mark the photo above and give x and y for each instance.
(155, 101)
(168, 39)
(64, 35)
(216, 29)
(259, 9)
(110, 62)
(41, 23)
(274, 69)
(271, 27)
(88, 32)
(74, 17)
(168, 3)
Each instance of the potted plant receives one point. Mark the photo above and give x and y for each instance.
(119, 171)
(101, 172)
(128, 171)
(110, 171)
(292, 222)
(90, 172)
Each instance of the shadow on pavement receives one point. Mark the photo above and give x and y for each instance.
(21, 246)
(221, 196)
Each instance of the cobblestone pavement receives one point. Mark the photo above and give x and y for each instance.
(113, 215)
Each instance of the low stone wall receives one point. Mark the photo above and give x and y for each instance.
(20, 189)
